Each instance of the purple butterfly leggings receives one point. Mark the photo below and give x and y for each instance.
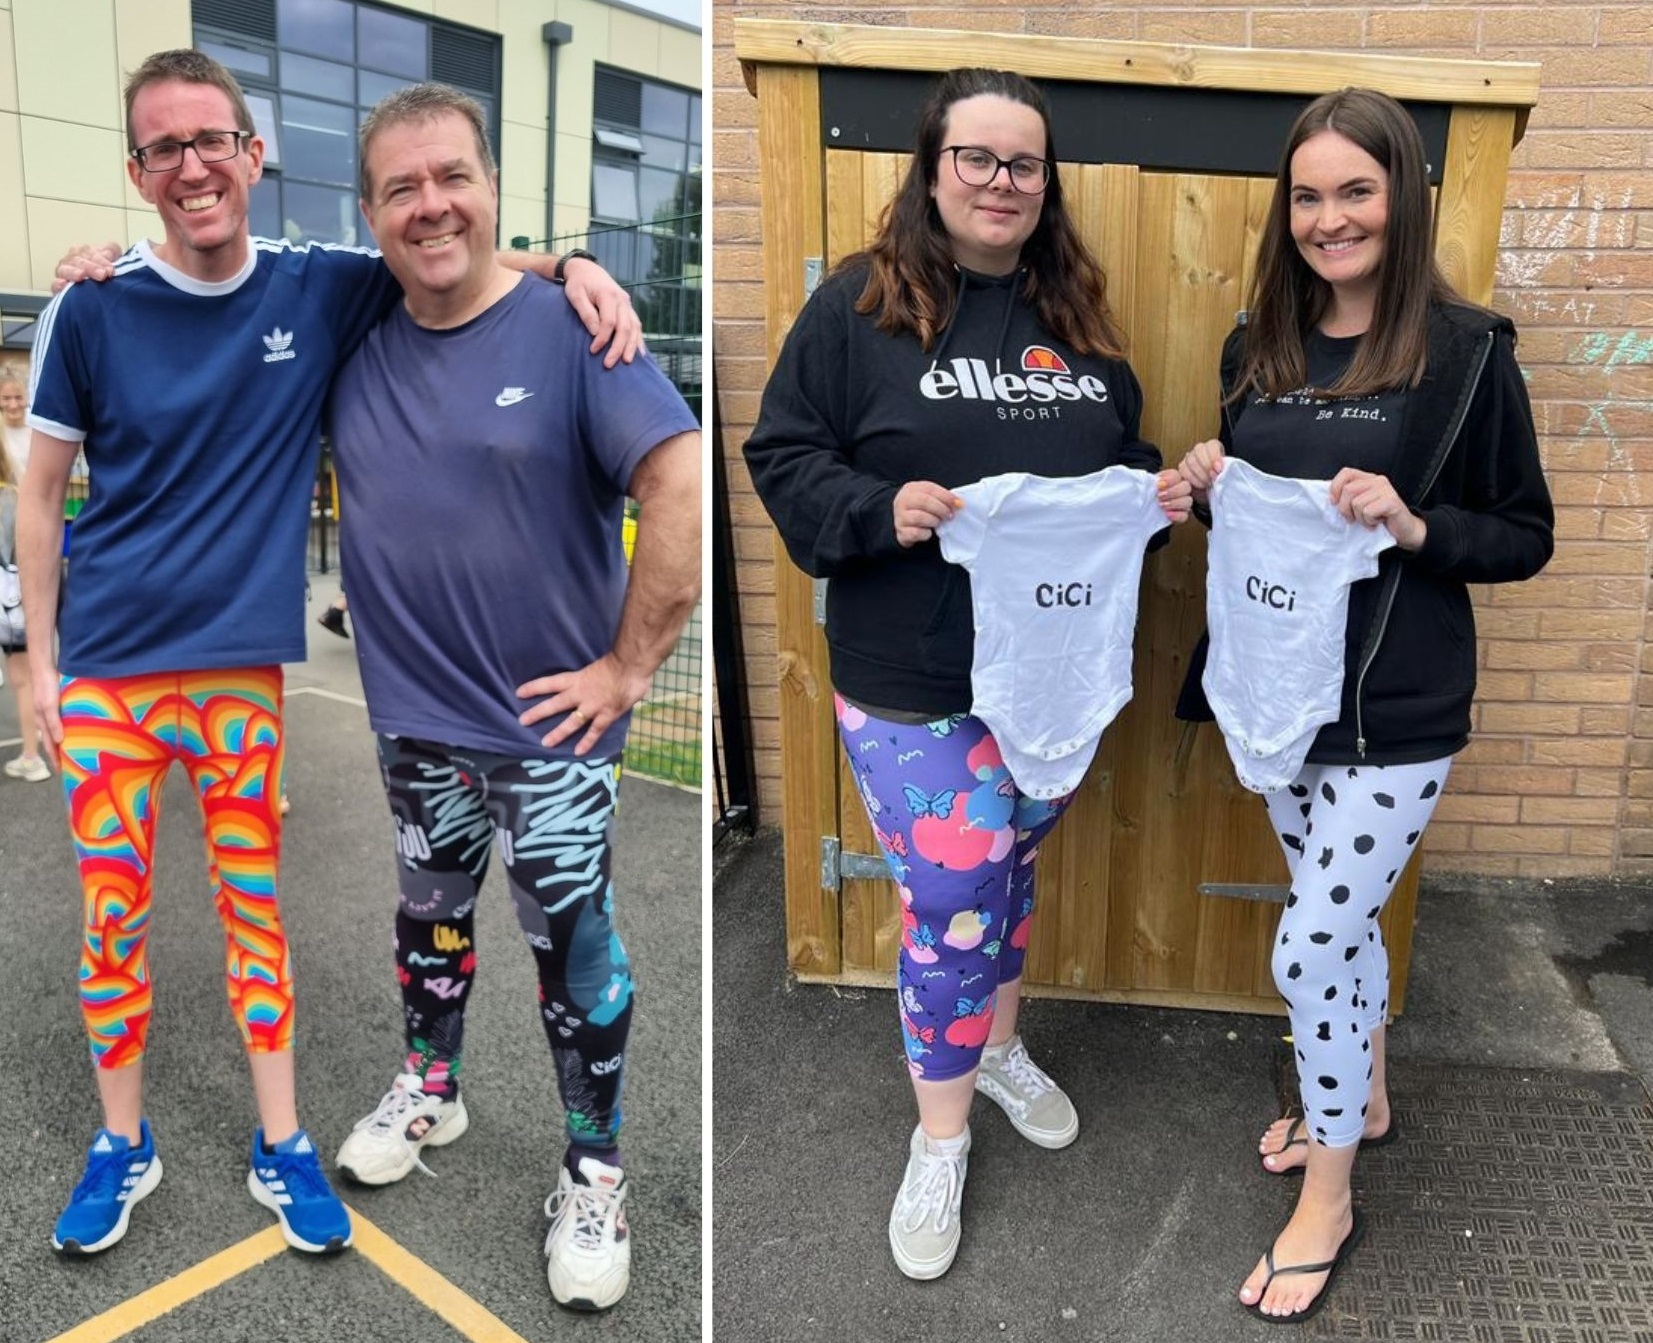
(960, 841)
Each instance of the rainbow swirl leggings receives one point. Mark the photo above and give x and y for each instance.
(120, 737)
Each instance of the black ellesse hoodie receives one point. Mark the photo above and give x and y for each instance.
(852, 413)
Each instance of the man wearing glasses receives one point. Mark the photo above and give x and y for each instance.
(195, 380)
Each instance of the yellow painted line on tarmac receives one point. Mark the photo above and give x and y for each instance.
(133, 1314)
(420, 1281)
(406, 1270)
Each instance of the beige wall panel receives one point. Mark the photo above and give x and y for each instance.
(56, 226)
(14, 219)
(478, 13)
(574, 172)
(525, 63)
(73, 162)
(8, 64)
(415, 6)
(67, 67)
(143, 27)
(144, 223)
(567, 219)
(520, 216)
(680, 55)
(522, 165)
(588, 19)
(577, 79)
(634, 42)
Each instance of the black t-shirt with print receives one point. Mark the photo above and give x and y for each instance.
(1305, 436)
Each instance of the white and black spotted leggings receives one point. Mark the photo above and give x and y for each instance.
(1347, 831)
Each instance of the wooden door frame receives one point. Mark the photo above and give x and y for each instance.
(780, 62)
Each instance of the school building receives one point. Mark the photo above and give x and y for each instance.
(594, 107)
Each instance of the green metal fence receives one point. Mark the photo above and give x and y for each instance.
(659, 263)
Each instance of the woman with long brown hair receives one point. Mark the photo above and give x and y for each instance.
(1360, 367)
(971, 339)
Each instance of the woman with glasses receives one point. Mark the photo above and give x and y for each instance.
(972, 338)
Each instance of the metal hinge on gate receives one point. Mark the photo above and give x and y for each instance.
(838, 867)
(1246, 891)
(820, 586)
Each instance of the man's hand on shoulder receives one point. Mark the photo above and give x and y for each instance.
(606, 310)
(86, 262)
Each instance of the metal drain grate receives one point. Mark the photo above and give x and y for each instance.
(1517, 1207)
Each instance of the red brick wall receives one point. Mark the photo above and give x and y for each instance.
(1559, 778)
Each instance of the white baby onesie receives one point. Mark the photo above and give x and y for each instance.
(1278, 572)
(1054, 568)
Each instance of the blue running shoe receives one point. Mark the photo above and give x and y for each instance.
(288, 1180)
(117, 1176)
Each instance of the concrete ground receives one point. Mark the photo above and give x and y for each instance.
(1143, 1229)
(480, 1223)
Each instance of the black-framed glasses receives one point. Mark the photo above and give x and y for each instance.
(977, 167)
(209, 146)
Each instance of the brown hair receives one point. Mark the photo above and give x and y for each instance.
(422, 102)
(187, 66)
(912, 281)
(1287, 298)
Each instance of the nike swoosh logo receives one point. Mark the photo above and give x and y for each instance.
(510, 396)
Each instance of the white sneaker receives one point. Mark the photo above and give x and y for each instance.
(385, 1145)
(30, 767)
(589, 1243)
(1039, 1109)
(924, 1224)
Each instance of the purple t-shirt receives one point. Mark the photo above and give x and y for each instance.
(482, 478)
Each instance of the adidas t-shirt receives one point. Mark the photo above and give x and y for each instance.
(199, 408)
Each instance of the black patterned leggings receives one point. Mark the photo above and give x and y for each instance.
(1347, 831)
(553, 820)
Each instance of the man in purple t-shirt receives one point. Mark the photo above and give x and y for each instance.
(484, 461)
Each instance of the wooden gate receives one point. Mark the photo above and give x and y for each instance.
(1160, 883)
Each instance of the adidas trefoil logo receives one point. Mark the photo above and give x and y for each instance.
(277, 342)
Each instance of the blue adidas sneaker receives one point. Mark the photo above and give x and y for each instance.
(288, 1180)
(117, 1176)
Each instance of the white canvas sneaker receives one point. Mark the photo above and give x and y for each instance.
(1039, 1109)
(924, 1224)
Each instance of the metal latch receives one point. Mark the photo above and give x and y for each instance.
(837, 867)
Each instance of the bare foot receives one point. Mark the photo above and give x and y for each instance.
(1313, 1236)
(1284, 1145)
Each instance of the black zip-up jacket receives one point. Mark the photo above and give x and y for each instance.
(852, 413)
(1468, 466)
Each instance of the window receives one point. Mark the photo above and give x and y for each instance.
(310, 69)
(645, 145)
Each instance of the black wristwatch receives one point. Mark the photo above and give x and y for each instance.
(573, 253)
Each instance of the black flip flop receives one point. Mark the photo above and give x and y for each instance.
(1295, 1137)
(1329, 1268)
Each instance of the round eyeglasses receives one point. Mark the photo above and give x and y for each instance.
(209, 146)
(977, 167)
